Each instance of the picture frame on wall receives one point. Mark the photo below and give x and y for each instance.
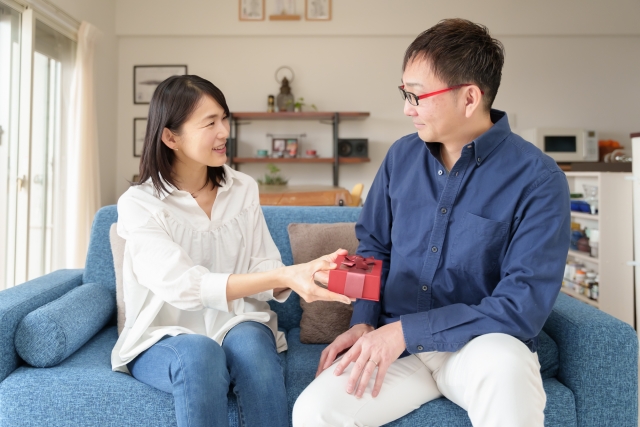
(317, 10)
(251, 10)
(139, 130)
(147, 77)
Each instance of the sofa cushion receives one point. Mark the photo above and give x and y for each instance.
(51, 333)
(84, 391)
(322, 321)
(117, 249)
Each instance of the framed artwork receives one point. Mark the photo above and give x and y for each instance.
(317, 10)
(136, 178)
(251, 10)
(139, 130)
(292, 147)
(278, 146)
(147, 77)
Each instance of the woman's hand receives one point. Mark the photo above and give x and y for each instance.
(300, 278)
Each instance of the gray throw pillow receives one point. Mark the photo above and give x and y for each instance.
(322, 321)
(117, 249)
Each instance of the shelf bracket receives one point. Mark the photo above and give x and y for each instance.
(633, 263)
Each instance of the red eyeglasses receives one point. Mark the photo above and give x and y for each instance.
(413, 98)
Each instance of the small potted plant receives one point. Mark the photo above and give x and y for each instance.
(273, 176)
(297, 105)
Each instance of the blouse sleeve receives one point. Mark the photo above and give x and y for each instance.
(166, 269)
(264, 254)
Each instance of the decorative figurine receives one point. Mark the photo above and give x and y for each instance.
(271, 104)
(285, 100)
(285, 97)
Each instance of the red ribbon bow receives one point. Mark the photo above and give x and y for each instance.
(357, 262)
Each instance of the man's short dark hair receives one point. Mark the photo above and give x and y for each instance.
(460, 51)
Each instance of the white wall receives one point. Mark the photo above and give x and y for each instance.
(102, 14)
(573, 64)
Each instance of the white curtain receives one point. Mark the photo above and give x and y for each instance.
(82, 177)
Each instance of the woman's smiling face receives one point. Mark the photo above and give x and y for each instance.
(203, 136)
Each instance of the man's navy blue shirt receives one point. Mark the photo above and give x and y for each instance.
(478, 250)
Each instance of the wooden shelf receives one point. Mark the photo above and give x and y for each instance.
(284, 17)
(583, 256)
(342, 160)
(582, 298)
(584, 215)
(333, 118)
(303, 115)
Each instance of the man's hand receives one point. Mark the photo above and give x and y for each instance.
(341, 343)
(378, 348)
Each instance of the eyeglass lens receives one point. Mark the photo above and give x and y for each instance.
(413, 99)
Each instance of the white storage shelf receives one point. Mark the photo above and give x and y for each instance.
(615, 249)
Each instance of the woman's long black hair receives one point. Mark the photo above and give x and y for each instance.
(172, 103)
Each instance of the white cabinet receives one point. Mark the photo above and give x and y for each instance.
(614, 221)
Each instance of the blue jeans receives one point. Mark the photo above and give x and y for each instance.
(198, 372)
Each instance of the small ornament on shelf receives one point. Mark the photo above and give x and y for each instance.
(271, 104)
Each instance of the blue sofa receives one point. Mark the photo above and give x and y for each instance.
(589, 359)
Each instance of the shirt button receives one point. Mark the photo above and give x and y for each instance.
(479, 159)
(420, 348)
(443, 210)
(469, 146)
(424, 288)
(440, 172)
(434, 249)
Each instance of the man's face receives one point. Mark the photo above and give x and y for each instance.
(439, 117)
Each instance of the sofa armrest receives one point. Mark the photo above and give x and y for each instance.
(598, 357)
(17, 302)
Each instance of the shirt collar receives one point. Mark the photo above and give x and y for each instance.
(485, 143)
(489, 141)
(230, 175)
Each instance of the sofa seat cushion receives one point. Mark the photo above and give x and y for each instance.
(302, 362)
(83, 390)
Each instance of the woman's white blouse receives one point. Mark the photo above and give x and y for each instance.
(177, 262)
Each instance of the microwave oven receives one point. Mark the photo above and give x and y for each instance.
(565, 144)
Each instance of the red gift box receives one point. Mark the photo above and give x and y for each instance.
(356, 277)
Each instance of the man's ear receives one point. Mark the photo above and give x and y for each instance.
(472, 99)
(169, 139)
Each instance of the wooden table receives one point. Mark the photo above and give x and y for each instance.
(304, 195)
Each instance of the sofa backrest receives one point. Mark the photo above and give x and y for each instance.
(99, 264)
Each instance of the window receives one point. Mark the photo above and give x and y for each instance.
(36, 67)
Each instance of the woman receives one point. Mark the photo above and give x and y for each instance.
(199, 267)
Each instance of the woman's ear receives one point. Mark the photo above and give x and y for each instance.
(169, 139)
(473, 99)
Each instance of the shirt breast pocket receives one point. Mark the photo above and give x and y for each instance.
(478, 243)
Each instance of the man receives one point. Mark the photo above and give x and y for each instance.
(472, 225)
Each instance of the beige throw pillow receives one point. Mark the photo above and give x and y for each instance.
(322, 321)
(117, 250)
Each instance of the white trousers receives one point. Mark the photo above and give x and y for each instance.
(494, 377)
